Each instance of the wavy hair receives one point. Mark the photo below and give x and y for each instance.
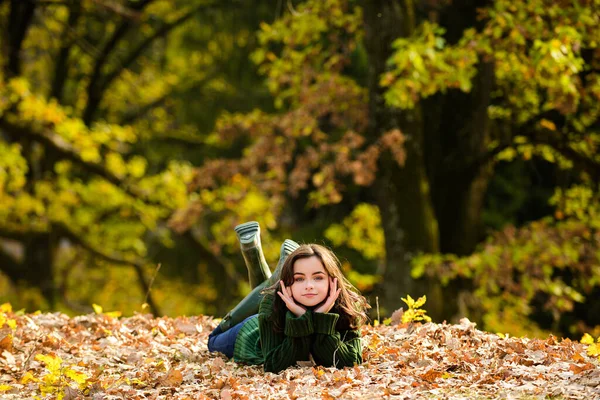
(350, 305)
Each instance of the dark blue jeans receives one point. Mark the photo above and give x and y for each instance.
(224, 342)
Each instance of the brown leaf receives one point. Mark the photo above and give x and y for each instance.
(6, 343)
(290, 390)
(70, 394)
(576, 369)
(397, 316)
(431, 376)
(173, 378)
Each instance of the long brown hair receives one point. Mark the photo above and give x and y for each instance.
(350, 305)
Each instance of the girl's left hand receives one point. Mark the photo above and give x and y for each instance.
(334, 292)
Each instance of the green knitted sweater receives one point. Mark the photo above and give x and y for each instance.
(310, 334)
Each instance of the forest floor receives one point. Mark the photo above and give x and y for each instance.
(98, 356)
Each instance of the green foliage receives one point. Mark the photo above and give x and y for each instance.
(361, 231)
(555, 260)
(75, 165)
(424, 65)
(538, 52)
(106, 215)
(316, 39)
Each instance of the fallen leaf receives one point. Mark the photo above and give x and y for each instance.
(174, 378)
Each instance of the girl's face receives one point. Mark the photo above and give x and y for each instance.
(311, 281)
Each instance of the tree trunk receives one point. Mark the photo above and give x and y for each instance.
(402, 193)
(459, 176)
(21, 14)
(38, 265)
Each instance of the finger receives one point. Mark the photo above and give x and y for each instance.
(285, 299)
(283, 288)
(337, 293)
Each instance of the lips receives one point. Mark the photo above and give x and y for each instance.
(309, 295)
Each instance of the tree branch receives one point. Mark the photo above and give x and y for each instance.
(93, 89)
(11, 267)
(21, 15)
(67, 151)
(582, 162)
(98, 86)
(166, 28)
(19, 234)
(131, 116)
(61, 69)
(137, 265)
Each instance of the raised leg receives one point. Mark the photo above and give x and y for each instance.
(249, 305)
(248, 235)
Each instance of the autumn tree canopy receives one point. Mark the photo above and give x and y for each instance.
(134, 133)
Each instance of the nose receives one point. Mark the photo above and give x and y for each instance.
(309, 284)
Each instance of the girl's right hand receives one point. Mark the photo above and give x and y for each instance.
(288, 299)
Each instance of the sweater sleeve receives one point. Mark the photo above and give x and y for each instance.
(333, 348)
(282, 350)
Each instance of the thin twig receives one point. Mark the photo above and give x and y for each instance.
(151, 282)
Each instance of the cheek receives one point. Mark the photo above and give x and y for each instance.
(295, 287)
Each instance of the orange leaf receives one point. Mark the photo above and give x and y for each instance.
(431, 376)
(173, 378)
(6, 342)
(576, 369)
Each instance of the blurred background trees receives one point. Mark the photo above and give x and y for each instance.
(440, 148)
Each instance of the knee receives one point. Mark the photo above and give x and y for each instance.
(212, 337)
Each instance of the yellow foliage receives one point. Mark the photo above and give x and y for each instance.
(28, 377)
(58, 377)
(593, 349)
(587, 339)
(414, 312)
(361, 231)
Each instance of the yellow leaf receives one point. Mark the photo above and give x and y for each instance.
(12, 324)
(587, 339)
(593, 350)
(420, 302)
(76, 376)
(6, 307)
(97, 308)
(114, 314)
(52, 361)
(410, 302)
(4, 388)
(544, 123)
(28, 377)
(376, 322)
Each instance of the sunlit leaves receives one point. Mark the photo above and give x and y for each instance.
(13, 168)
(593, 349)
(58, 377)
(101, 212)
(415, 313)
(317, 38)
(423, 65)
(361, 231)
(554, 260)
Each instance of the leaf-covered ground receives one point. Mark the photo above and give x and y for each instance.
(101, 357)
